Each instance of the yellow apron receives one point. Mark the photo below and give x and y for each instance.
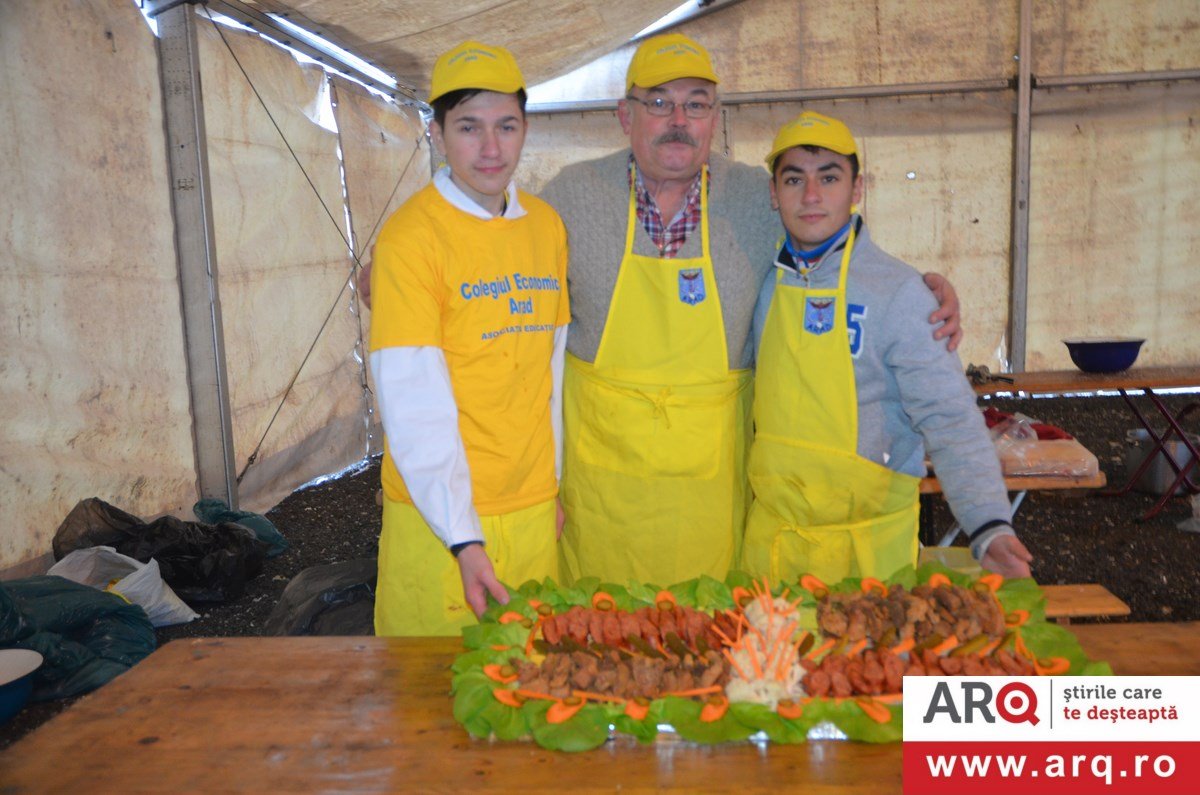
(818, 507)
(656, 429)
(419, 591)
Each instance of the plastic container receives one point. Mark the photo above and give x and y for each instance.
(1104, 354)
(16, 679)
(1159, 476)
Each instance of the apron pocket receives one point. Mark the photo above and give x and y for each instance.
(655, 435)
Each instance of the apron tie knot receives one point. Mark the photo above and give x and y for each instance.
(659, 401)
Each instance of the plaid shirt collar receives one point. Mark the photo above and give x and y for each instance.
(667, 238)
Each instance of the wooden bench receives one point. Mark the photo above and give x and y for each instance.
(1089, 600)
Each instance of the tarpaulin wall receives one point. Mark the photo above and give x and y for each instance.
(93, 390)
(94, 378)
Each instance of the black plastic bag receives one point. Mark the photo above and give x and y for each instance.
(331, 599)
(215, 511)
(201, 562)
(86, 636)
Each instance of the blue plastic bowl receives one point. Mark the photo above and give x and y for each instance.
(16, 680)
(1104, 354)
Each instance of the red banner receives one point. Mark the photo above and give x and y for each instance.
(1053, 768)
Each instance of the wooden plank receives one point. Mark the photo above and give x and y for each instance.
(1058, 381)
(374, 715)
(930, 485)
(1158, 649)
(1076, 601)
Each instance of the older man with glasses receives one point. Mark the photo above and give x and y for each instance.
(669, 245)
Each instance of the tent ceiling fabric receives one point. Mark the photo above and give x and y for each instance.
(405, 37)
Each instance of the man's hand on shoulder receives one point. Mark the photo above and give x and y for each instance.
(479, 579)
(1008, 556)
(947, 313)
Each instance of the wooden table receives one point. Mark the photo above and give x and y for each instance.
(1143, 380)
(1020, 484)
(373, 715)
(1058, 382)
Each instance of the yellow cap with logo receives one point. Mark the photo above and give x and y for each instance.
(661, 59)
(813, 129)
(475, 65)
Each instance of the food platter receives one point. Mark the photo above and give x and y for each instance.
(707, 661)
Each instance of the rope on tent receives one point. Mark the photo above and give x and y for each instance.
(253, 457)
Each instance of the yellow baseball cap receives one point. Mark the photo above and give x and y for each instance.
(661, 59)
(813, 129)
(475, 65)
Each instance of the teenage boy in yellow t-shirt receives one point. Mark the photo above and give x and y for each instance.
(469, 290)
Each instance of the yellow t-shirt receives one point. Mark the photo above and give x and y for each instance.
(489, 293)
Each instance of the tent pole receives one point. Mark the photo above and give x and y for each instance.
(196, 254)
(1019, 297)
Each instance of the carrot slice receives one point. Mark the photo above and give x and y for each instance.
(714, 709)
(699, 691)
(742, 596)
(1052, 666)
(565, 709)
(584, 694)
(1023, 650)
(812, 584)
(938, 579)
(819, 650)
(495, 671)
(1016, 618)
(510, 617)
(603, 601)
(498, 647)
(789, 709)
(874, 710)
(733, 663)
(637, 708)
(993, 581)
(857, 647)
(507, 697)
(945, 646)
(871, 584)
(903, 646)
(665, 600)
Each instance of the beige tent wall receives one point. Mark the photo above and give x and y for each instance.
(1114, 241)
(779, 45)
(284, 267)
(386, 160)
(92, 380)
(1080, 37)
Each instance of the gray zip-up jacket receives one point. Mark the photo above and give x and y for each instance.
(912, 394)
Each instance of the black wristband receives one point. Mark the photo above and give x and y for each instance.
(983, 528)
(454, 550)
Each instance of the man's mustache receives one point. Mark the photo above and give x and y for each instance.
(676, 137)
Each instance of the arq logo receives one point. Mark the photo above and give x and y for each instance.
(1015, 702)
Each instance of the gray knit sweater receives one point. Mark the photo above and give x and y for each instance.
(593, 200)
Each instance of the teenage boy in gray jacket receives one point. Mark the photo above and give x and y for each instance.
(851, 391)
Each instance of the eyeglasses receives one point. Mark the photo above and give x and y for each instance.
(693, 109)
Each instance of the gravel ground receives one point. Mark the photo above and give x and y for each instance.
(1075, 538)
